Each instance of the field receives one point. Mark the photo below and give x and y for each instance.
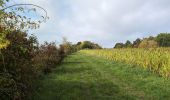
(156, 60)
(85, 77)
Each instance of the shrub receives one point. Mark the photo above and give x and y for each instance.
(47, 56)
(17, 71)
(23, 62)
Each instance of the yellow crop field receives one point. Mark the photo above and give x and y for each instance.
(155, 59)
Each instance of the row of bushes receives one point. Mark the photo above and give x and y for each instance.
(24, 61)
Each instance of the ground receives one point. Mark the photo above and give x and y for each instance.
(83, 77)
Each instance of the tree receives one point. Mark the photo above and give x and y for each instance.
(78, 43)
(67, 46)
(12, 19)
(128, 44)
(146, 43)
(119, 45)
(136, 43)
(96, 46)
(89, 45)
(151, 38)
(86, 45)
(163, 39)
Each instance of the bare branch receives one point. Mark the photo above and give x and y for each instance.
(46, 14)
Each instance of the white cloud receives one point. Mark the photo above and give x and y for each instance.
(103, 21)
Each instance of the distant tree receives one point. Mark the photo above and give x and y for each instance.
(78, 46)
(67, 46)
(89, 45)
(146, 43)
(151, 38)
(128, 44)
(136, 43)
(163, 39)
(119, 45)
(96, 46)
(86, 44)
(78, 43)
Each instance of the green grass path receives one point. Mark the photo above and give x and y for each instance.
(83, 77)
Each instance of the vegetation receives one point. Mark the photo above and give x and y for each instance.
(23, 62)
(155, 59)
(22, 59)
(84, 77)
(88, 45)
(47, 56)
(161, 40)
(146, 43)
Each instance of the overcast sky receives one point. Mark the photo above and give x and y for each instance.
(103, 21)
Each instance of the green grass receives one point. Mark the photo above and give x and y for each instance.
(83, 77)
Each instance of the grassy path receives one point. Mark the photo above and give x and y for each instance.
(82, 77)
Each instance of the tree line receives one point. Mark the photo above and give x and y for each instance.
(69, 47)
(161, 40)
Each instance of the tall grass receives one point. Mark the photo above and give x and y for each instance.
(155, 59)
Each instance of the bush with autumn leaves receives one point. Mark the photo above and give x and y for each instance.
(23, 62)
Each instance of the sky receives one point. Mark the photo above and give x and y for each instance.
(105, 22)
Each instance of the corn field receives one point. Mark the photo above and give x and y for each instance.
(155, 59)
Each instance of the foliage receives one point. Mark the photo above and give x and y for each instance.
(155, 59)
(119, 45)
(3, 42)
(14, 18)
(146, 43)
(128, 44)
(88, 45)
(163, 39)
(136, 43)
(67, 46)
(17, 71)
(23, 62)
(47, 57)
(17, 51)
